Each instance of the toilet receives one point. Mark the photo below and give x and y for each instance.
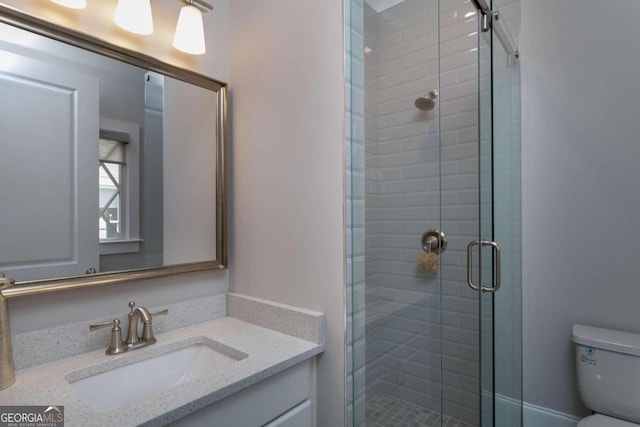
(608, 372)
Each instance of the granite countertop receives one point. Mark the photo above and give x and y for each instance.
(269, 352)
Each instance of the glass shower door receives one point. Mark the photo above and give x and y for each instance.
(430, 146)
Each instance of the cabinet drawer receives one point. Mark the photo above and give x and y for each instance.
(300, 416)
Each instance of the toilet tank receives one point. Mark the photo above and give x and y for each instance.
(608, 371)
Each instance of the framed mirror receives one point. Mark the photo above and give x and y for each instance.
(113, 162)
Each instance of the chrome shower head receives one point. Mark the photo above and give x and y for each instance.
(427, 101)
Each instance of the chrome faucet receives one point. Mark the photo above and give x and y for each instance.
(147, 326)
(133, 341)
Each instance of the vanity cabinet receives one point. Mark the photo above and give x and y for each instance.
(282, 400)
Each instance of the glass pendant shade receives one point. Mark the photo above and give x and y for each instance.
(73, 4)
(189, 35)
(134, 16)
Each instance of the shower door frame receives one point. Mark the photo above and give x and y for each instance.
(495, 44)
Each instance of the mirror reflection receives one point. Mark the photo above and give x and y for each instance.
(106, 166)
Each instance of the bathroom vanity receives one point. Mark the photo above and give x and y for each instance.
(256, 368)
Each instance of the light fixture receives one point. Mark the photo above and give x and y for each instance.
(189, 35)
(72, 4)
(134, 16)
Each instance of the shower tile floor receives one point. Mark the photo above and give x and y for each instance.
(384, 410)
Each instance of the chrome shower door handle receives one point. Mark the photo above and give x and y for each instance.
(496, 266)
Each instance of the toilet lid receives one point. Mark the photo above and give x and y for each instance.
(602, 421)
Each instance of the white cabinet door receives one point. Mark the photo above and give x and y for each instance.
(49, 129)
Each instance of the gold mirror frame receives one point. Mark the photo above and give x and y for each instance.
(35, 25)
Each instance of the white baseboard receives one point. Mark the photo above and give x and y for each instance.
(508, 412)
(538, 416)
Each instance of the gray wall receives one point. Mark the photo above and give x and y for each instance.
(288, 228)
(581, 183)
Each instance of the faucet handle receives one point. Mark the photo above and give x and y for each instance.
(132, 305)
(94, 326)
(115, 343)
(160, 313)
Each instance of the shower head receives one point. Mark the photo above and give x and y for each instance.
(427, 101)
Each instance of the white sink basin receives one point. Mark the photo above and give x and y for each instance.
(118, 386)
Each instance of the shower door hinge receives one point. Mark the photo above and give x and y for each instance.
(486, 22)
(485, 12)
